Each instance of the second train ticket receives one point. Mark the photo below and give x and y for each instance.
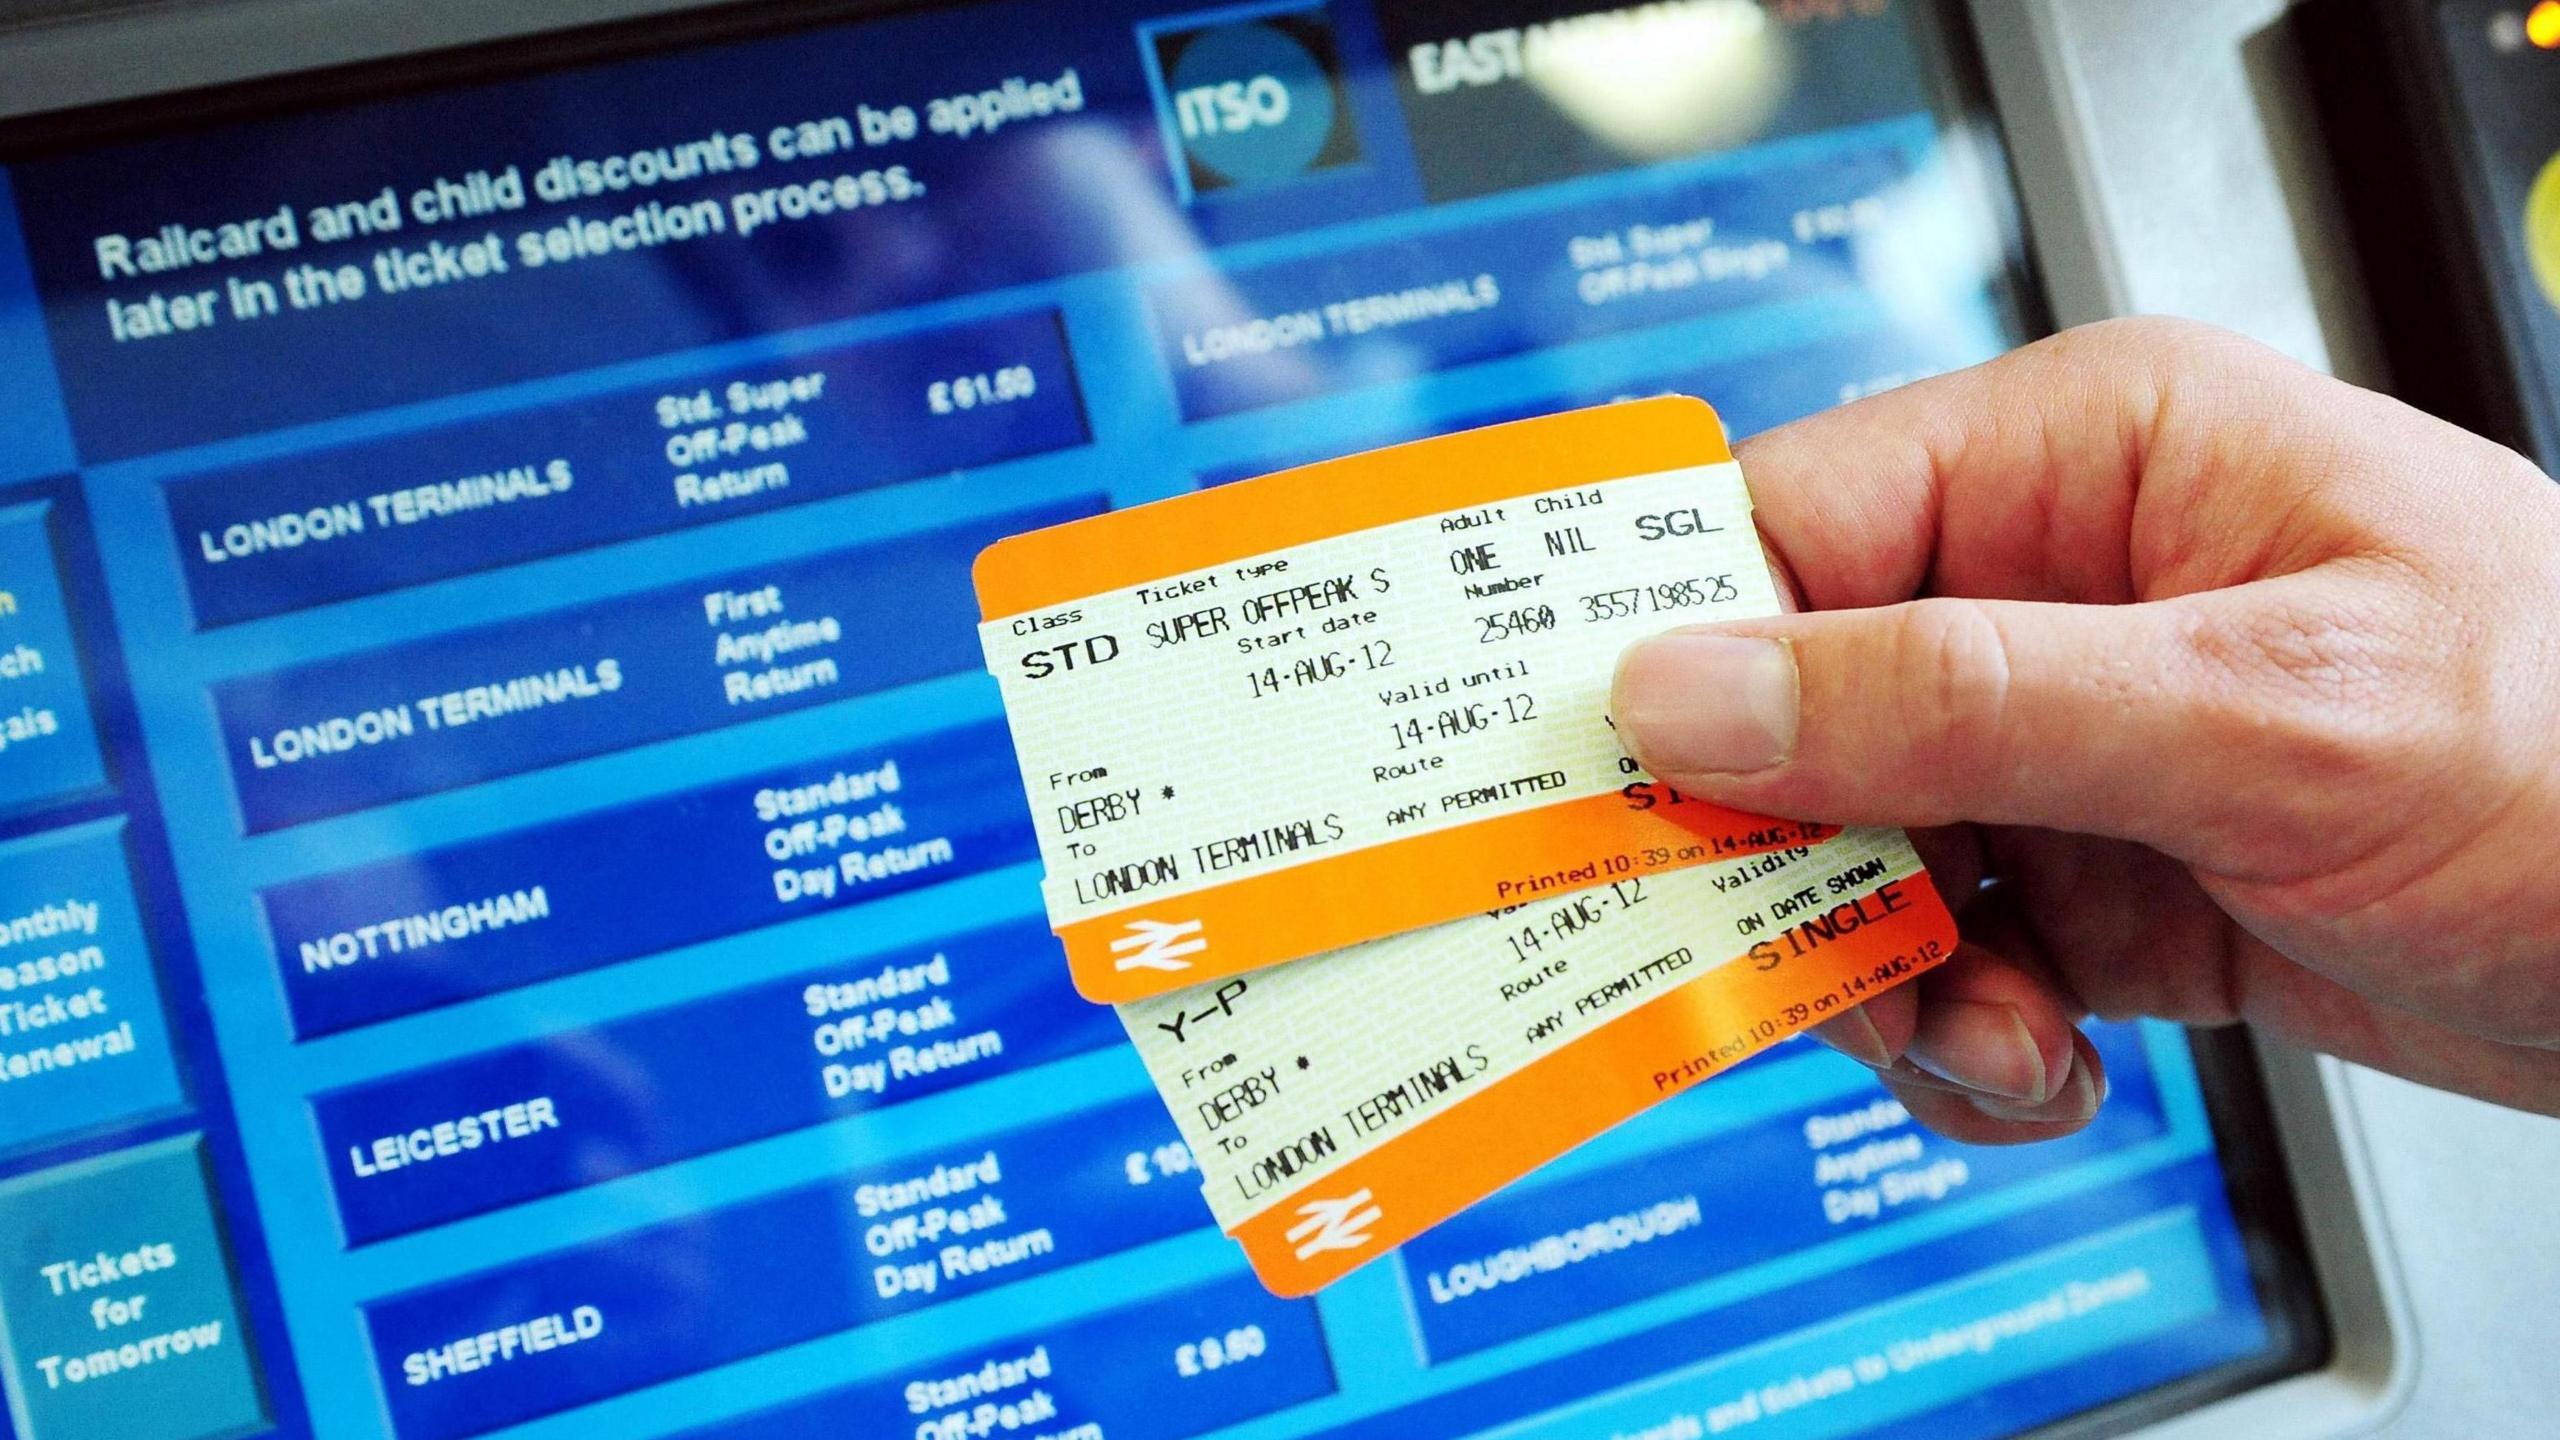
(1278, 718)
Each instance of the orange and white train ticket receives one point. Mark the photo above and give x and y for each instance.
(1339, 1106)
(1277, 718)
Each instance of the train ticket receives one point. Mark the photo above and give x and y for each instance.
(1277, 718)
(1339, 1106)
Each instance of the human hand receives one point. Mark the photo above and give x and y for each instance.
(2241, 683)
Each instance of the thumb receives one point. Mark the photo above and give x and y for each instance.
(2117, 720)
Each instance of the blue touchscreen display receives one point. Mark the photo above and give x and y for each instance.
(515, 915)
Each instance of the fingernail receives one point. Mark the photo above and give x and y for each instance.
(1980, 1046)
(1903, 1072)
(2075, 1102)
(1857, 1037)
(1694, 703)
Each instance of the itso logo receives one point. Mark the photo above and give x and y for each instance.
(1254, 102)
(1231, 107)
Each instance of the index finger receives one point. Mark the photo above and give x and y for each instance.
(2027, 478)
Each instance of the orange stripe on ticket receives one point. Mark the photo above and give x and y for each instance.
(1327, 904)
(1441, 1166)
(1068, 562)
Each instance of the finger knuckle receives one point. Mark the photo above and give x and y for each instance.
(2148, 333)
(1957, 660)
(2176, 956)
(2157, 341)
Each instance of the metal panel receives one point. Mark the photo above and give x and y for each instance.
(2172, 167)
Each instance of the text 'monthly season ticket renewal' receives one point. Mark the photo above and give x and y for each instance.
(1273, 719)
(1340, 1106)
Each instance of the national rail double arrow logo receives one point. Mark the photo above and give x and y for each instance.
(1158, 945)
(1335, 1224)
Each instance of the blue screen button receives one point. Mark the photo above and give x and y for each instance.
(83, 1040)
(48, 744)
(117, 1305)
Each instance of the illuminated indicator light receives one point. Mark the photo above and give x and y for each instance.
(2542, 25)
(2542, 227)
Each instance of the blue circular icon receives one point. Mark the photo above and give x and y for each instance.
(1252, 104)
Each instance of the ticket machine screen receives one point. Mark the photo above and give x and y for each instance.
(516, 912)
